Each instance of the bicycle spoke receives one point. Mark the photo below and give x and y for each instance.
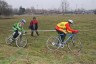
(9, 40)
(74, 45)
(53, 43)
(21, 42)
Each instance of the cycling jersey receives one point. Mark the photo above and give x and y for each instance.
(64, 27)
(17, 26)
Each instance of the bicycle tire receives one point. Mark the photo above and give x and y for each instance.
(50, 42)
(21, 42)
(74, 44)
(9, 40)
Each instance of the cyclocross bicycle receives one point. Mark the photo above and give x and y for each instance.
(72, 42)
(21, 40)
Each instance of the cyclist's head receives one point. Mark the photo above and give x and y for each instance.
(34, 17)
(71, 21)
(23, 21)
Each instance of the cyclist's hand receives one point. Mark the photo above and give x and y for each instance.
(65, 32)
(75, 31)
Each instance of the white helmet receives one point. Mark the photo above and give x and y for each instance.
(71, 21)
(24, 21)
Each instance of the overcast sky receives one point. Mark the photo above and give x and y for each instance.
(51, 4)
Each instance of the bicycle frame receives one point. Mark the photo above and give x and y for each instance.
(70, 36)
(22, 40)
(72, 42)
(20, 35)
(19, 40)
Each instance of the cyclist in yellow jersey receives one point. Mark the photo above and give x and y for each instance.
(64, 28)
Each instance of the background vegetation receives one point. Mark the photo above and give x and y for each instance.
(8, 10)
(36, 51)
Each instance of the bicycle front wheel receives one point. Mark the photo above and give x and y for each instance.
(53, 43)
(74, 44)
(21, 42)
(9, 39)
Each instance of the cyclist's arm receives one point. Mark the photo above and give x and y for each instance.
(63, 31)
(69, 29)
(22, 29)
(14, 27)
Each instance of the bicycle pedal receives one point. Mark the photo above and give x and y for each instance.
(61, 45)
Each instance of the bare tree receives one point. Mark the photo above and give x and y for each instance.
(5, 9)
(65, 6)
(21, 10)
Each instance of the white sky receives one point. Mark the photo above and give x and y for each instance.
(51, 4)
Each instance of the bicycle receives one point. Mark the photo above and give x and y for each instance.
(21, 40)
(72, 42)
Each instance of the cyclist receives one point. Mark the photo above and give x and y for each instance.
(64, 28)
(18, 28)
(34, 26)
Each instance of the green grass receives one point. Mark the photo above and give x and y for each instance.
(36, 51)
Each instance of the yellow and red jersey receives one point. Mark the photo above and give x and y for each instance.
(64, 27)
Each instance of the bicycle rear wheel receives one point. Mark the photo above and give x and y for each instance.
(21, 42)
(9, 39)
(74, 44)
(53, 43)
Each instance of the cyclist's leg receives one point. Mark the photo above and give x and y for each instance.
(15, 34)
(36, 28)
(32, 32)
(19, 35)
(63, 35)
(37, 32)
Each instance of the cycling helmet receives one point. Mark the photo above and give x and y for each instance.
(71, 21)
(24, 21)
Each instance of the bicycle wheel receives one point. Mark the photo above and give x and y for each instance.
(74, 44)
(53, 43)
(9, 39)
(21, 42)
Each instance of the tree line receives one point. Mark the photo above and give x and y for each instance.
(7, 10)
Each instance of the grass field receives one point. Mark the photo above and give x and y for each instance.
(36, 51)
